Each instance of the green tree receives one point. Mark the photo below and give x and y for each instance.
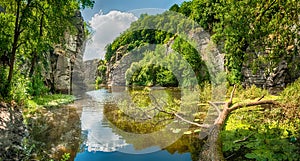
(267, 30)
(32, 27)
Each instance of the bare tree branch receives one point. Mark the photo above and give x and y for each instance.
(261, 98)
(256, 103)
(215, 106)
(190, 122)
(244, 139)
(231, 96)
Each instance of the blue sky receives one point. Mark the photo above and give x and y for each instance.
(126, 5)
(109, 18)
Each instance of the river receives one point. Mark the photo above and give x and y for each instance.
(104, 126)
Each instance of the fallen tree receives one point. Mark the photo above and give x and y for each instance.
(212, 150)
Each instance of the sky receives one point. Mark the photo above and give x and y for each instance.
(109, 18)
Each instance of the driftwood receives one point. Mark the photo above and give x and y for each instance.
(212, 150)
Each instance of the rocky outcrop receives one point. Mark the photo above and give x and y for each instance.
(90, 70)
(213, 59)
(272, 79)
(66, 64)
(12, 131)
(115, 73)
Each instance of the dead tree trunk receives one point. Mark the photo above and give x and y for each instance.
(212, 150)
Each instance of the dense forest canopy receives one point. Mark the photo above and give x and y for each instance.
(29, 30)
(266, 32)
(169, 29)
(269, 30)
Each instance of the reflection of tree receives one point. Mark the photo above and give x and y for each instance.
(187, 143)
(155, 129)
(58, 130)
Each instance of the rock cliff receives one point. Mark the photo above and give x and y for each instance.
(214, 60)
(66, 72)
(269, 77)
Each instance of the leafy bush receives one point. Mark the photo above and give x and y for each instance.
(206, 93)
(19, 89)
(291, 95)
(251, 92)
(36, 86)
(254, 133)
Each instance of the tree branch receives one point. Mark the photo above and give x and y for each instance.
(190, 122)
(216, 107)
(231, 96)
(240, 105)
(244, 139)
(261, 98)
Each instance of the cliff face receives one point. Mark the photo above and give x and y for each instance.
(272, 79)
(213, 59)
(66, 63)
(89, 73)
(269, 77)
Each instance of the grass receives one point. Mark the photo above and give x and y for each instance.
(53, 100)
(271, 133)
(46, 102)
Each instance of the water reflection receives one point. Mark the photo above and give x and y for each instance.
(103, 127)
(52, 133)
(109, 129)
(100, 136)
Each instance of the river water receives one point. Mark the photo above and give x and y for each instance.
(103, 127)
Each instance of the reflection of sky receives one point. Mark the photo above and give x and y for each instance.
(100, 137)
(118, 156)
(102, 144)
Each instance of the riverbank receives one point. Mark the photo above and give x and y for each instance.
(12, 131)
(14, 123)
(266, 132)
(253, 133)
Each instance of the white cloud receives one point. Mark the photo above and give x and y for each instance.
(106, 28)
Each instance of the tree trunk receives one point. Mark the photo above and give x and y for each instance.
(33, 62)
(212, 150)
(34, 59)
(15, 45)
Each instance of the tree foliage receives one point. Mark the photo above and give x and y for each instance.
(169, 29)
(29, 29)
(268, 30)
